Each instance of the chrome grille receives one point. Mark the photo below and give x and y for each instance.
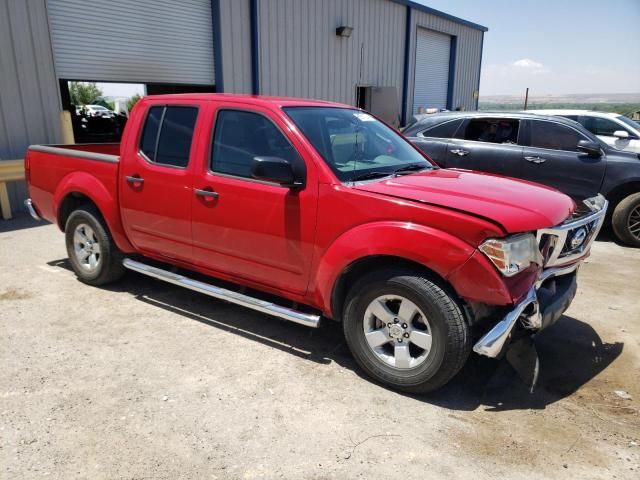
(555, 243)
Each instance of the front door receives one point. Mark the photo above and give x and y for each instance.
(248, 229)
(155, 183)
(550, 157)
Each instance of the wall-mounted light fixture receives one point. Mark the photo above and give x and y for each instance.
(344, 31)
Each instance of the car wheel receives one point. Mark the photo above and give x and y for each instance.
(626, 220)
(405, 330)
(92, 252)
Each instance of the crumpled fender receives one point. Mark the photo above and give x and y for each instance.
(436, 250)
(91, 187)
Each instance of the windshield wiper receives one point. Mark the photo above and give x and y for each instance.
(412, 167)
(370, 175)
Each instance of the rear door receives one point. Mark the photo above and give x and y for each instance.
(550, 157)
(487, 145)
(155, 183)
(255, 230)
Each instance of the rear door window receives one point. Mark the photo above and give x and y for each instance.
(167, 135)
(491, 130)
(553, 136)
(442, 130)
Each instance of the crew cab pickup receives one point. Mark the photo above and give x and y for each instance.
(318, 210)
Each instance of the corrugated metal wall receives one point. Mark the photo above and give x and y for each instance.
(235, 37)
(142, 41)
(301, 56)
(468, 56)
(29, 101)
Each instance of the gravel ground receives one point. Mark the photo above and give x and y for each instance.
(146, 380)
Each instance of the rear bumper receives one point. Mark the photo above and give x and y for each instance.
(545, 303)
(32, 210)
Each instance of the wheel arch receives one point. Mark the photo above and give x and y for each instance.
(434, 252)
(360, 267)
(620, 192)
(78, 188)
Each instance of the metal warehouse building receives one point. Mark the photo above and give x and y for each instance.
(383, 55)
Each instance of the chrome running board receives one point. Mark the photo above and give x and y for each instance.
(306, 319)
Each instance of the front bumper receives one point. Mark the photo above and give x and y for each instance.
(555, 288)
(545, 303)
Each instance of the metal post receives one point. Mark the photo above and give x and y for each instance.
(526, 98)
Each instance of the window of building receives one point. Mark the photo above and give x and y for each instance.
(240, 136)
(167, 135)
(492, 130)
(553, 136)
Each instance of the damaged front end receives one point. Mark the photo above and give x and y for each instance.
(563, 248)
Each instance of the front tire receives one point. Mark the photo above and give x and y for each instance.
(626, 220)
(405, 330)
(94, 256)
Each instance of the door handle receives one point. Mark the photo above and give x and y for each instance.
(134, 179)
(535, 159)
(205, 193)
(460, 152)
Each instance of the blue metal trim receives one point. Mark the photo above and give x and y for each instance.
(452, 71)
(217, 45)
(480, 69)
(405, 75)
(255, 47)
(440, 14)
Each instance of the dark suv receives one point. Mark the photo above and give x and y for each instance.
(554, 151)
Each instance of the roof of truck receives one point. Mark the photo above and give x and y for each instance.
(253, 99)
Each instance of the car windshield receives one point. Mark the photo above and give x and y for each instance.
(629, 122)
(354, 144)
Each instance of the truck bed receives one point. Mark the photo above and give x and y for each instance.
(48, 167)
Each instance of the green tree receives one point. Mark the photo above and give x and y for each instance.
(132, 101)
(84, 93)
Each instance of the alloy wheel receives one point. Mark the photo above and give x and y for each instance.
(397, 331)
(87, 247)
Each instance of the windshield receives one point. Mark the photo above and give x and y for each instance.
(354, 144)
(629, 122)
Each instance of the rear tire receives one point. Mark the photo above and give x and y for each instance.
(428, 341)
(94, 256)
(626, 220)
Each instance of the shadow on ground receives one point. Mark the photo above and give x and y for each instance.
(571, 351)
(20, 222)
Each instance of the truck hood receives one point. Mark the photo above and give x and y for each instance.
(516, 205)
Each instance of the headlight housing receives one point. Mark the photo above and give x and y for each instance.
(513, 254)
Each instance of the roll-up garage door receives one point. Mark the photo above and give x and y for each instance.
(142, 41)
(432, 70)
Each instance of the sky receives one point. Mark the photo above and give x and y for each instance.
(555, 47)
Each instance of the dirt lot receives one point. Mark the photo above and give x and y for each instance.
(145, 380)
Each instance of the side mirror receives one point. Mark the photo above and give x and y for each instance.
(621, 134)
(590, 148)
(275, 169)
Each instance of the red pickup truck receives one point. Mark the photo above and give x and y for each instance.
(329, 210)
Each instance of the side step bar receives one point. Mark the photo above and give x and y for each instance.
(269, 308)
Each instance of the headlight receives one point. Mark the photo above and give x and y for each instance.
(513, 254)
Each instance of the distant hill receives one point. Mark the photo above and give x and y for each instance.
(623, 103)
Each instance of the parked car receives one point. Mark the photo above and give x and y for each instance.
(98, 111)
(554, 151)
(614, 129)
(331, 211)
